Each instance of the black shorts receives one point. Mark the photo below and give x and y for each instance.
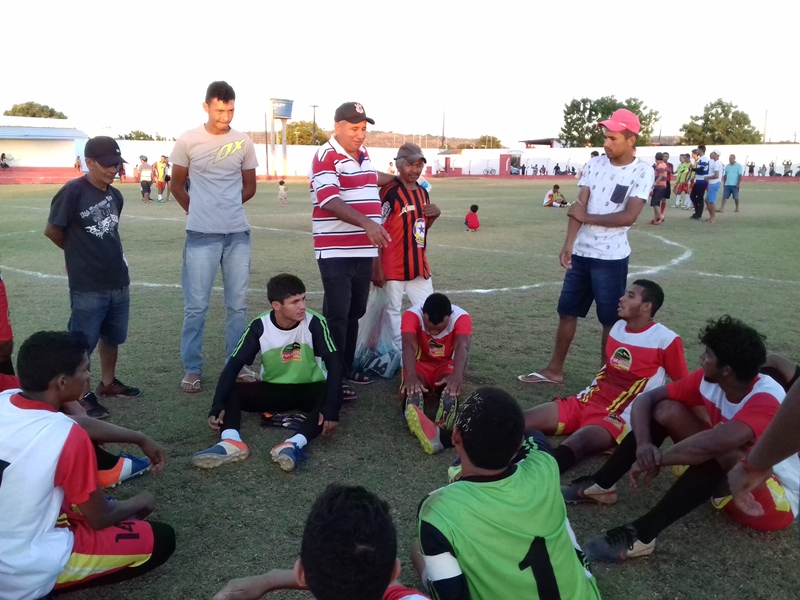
(167, 178)
(145, 186)
(669, 190)
(659, 194)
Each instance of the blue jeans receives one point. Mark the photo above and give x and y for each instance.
(346, 283)
(593, 279)
(203, 253)
(100, 315)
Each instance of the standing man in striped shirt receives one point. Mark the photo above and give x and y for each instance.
(402, 266)
(346, 224)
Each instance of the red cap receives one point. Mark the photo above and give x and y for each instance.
(620, 120)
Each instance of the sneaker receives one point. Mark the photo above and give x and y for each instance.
(117, 389)
(288, 455)
(421, 426)
(159, 197)
(617, 545)
(584, 489)
(127, 467)
(92, 407)
(221, 453)
(446, 413)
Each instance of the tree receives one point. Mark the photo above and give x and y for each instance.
(34, 109)
(138, 134)
(301, 133)
(720, 123)
(581, 117)
(488, 141)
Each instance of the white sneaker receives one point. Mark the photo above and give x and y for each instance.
(159, 197)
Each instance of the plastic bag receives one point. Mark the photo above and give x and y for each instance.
(376, 354)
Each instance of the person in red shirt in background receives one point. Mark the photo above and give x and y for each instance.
(436, 337)
(670, 173)
(471, 220)
(6, 335)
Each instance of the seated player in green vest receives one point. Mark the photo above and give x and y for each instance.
(501, 530)
(300, 370)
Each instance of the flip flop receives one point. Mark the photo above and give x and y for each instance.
(191, 387)
(536, 378)
(348, 394)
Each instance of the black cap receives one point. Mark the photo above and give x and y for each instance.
(352, 112)
(104, 150)
(410, 152)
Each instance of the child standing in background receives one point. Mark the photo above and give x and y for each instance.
(283, 193)
(471, 220)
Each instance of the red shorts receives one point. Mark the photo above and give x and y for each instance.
(98, 553)
(574, 414)
(682, 188)
(5, 322)
(431, 372)
(161, 185)
(772, 497)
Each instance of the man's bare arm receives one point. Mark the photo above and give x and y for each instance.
(178, 185)
(56, 234)
(248, 184)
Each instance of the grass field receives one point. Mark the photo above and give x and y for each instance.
(248, 517)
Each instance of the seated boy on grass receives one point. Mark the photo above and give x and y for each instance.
(59, 530)
(349, 550)
(300, 370)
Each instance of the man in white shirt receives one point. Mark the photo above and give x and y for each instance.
(612, 192)
(714, 179)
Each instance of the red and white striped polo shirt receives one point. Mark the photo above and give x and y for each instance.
(335, 174)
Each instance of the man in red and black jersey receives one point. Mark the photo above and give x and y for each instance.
(407, 214)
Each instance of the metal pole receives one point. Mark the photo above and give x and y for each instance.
(314, 131)
(266, 144)
(283, 127)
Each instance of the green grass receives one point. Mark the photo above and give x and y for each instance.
(248, 517)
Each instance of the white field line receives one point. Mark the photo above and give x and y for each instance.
(645, 270)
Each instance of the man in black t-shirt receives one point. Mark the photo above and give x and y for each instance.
(83, 221)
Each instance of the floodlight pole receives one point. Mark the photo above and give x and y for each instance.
(314, 130)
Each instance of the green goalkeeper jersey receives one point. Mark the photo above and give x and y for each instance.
(504, 537)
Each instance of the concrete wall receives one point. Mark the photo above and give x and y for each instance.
(472, 162)
(39, 153)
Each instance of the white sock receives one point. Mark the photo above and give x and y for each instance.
(231, 434)
(299, 439)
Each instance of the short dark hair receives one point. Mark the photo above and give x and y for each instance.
(220, 90)
(701, 147)
(735, 345)
(281, 182)
(652, 293)
(556, 187)
(659, 156)
(595, 153)
(48, 354)
(627, 134)
(473, 208)
(437, 307)
(491, 425)
(349, 545)
(284, 286)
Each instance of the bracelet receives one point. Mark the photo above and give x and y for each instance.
(749, 467)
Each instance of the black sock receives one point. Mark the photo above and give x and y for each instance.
(694, 487)
(565, 457)
(624, 456)
(105, 460)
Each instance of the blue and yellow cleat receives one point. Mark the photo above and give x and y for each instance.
(288, 455)
(221, 453)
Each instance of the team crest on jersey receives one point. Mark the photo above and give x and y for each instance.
(292, 352)
(615, 420)
(436, 349)
(621, 359)
(419, 232)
